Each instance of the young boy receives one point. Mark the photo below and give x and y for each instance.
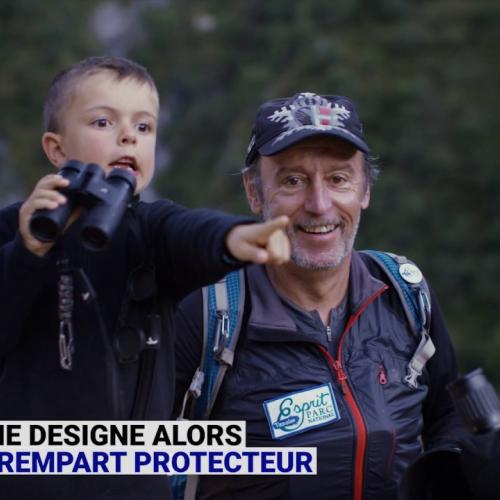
(88, 335)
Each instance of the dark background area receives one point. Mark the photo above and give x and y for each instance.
(425, 76)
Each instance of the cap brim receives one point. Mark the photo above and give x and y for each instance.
(275, 146)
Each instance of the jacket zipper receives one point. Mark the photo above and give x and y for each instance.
(329, 333)
(359, 423)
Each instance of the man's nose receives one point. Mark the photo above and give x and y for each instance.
(318, 199)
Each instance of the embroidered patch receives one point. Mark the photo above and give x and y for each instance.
(310, 112)
(300, 411)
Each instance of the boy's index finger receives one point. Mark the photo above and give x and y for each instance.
(247, 241)
(278, 247)
(268, 227)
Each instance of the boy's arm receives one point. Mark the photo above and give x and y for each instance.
(22, 262)
(190, 245)
(21, 277)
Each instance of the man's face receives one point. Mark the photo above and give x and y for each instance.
(320, 184)
(112, 123)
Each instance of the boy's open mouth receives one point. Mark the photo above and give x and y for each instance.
(126, 162)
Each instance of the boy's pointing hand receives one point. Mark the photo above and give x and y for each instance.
(261, 243)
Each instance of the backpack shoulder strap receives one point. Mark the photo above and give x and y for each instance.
(413, 291)
(223, 314)
(223, 305)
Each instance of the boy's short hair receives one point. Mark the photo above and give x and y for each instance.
(63, 83)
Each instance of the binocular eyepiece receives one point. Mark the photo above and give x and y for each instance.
(104, 198)
(476, 402)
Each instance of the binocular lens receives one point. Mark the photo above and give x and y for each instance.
(105, 198)
(46, 225)
(93, 238)
(44, 228)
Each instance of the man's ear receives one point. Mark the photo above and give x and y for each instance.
(52, 145)
(253, 198)
(365, 202)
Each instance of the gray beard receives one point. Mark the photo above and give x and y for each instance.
(330, 260)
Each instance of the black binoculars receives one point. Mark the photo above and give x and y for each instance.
(469, 474)
(476, 402)
(104, 198)
(478, 405)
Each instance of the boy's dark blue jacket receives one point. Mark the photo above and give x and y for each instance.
(186, 248)
(384, 423)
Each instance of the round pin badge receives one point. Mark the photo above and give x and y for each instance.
(410, 273)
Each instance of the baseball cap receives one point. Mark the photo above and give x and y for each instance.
(282, 122)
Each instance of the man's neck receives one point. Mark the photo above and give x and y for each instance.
(321, 290)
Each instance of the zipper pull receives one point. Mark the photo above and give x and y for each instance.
(381, 375)
(329, 333)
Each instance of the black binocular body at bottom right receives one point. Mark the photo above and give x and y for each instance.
(105, 200)
(472, 473)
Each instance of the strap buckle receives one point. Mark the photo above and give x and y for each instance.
(222, 335)
(66, 345)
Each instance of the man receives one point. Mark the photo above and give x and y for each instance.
(327, 328)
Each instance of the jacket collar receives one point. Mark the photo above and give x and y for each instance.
(269, 319)
(362, 284)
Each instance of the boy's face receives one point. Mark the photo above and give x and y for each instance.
(109, 122)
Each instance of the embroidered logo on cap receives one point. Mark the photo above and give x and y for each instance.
(300, 411)
(310, 111)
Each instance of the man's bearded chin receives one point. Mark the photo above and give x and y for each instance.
(329, 259)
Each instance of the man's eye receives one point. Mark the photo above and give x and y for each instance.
(338, 180)
(293, 181)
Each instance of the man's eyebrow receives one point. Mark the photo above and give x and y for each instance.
(288, 167)
(346, 166)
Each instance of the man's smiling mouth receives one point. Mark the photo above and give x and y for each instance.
(319, 229)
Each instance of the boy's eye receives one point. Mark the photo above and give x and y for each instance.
(144, 127)
(101, 123)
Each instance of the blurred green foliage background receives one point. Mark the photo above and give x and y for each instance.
(424, 74)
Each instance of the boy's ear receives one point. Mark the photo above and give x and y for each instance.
(253, 197)
(52, 145)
